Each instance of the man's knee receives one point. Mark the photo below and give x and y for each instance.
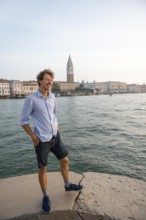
(64, 162)
(42, 170)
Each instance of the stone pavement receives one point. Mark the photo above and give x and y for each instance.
(119, 197)
(22, 195)
(104, 197)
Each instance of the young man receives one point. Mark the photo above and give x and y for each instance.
(41, 107)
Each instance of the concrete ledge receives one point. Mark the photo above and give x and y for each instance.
(104, 197)
(22, 194)
(117, 197)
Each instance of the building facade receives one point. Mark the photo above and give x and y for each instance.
(29, 87)
(99, 88)
(4, 88)
(143, 88)
(65, 86)
(116, 87)
(110, 87)
(133, 88)
(15, 88)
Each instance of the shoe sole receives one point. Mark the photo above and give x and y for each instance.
(47, 212)
(78, 190)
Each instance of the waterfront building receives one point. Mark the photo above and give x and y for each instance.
(65, 86)
(116, 87)
(4, 88)
(104, 88)
(143, 88)
(133, 88)
(109, 87)
(29, 87)
(15, 88)
(98, 87)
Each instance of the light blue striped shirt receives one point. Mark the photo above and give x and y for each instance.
(43, 113)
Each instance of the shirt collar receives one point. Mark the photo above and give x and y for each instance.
(50, 95)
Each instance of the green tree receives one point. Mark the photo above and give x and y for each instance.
(56, 87)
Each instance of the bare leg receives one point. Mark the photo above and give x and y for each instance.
(64, 167)
(43, 179)
(46, 204)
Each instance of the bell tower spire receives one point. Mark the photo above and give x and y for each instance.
(70, 71)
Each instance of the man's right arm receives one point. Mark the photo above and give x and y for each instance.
(33, 136)
(24, 122)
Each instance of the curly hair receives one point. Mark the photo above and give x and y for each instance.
(41, 75)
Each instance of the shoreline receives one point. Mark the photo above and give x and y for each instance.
(77, 94)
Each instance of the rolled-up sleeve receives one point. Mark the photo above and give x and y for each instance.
(26, 112)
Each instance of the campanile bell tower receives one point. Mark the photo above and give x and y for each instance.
(70, 71)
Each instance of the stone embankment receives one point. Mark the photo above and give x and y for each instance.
(104, 197)
(118, 197)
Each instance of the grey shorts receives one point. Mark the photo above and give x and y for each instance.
(55, 145)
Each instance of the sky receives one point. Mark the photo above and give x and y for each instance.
(106, 39)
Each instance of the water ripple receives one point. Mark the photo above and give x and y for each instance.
(102, 133)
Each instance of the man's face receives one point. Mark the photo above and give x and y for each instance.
(46, 83)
